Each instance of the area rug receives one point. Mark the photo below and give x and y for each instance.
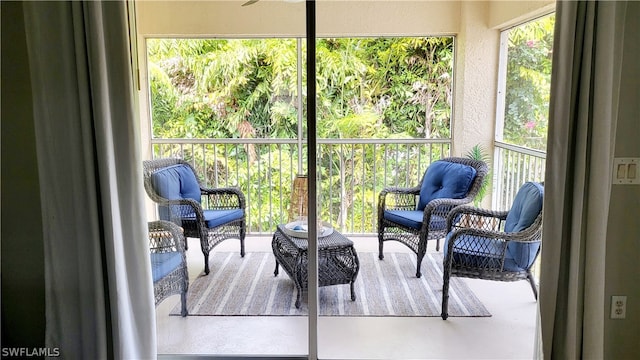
(247, 287)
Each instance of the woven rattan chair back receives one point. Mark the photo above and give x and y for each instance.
(166, 244)
(428, 223)
(494, 245)
(212, 215)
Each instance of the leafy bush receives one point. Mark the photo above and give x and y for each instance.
(528, 83)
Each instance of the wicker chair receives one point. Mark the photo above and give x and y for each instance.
(212, 215)
(446, 183)
(168, 262)
(494, 245)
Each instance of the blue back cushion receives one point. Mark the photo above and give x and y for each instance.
(175, 182)
(524, 211)
(445, 179)
(525, 208)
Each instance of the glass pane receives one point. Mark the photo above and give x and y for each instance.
(385, 87)
(528, 82)
(229, 107)
(236, 101)
(223, 88)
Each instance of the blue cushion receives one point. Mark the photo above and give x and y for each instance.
(445, 179)
(524, 254)
(162, 264)
(175, 182)
(525, 208)
(214, 218)
(519, 256)
(524, 211)
(413, 219)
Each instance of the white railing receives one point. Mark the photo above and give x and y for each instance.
(351, 174)
(513, 166)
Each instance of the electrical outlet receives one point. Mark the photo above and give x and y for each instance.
(618, 307)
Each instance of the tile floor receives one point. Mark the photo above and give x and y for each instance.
(508, 334)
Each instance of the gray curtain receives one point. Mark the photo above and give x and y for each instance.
(99, 297)
(580, 149)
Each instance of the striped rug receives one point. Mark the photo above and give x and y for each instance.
(246, 286)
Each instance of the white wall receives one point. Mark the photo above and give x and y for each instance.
(504, 14)
(282, 18)
(623, 231)
(476, 77)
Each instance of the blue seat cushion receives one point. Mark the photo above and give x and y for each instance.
(162, 264)
(445, 179)
(215, 218)
(526, 207)
(413, 219)
(477, 251)
(173, 183)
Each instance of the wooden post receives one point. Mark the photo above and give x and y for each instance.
(299, 198)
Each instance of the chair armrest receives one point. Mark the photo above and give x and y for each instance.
(224, 198)
(475, 214)
(441, 207)
(165, 236)
(437, 205)
(193, 206)
(472, 210)
(403, 198)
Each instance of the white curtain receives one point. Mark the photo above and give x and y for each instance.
(583, 113)
(99, 297)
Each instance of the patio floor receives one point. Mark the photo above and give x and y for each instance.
(507, 334)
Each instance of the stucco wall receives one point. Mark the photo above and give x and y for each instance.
(334, 17)
(281, 18)
(504, 14)
(475, 80)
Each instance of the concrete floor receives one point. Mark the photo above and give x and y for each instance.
(507, 334)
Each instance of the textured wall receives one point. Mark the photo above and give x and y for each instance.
(476, 82)
(623, 234)
(504, 14)
(282, 18)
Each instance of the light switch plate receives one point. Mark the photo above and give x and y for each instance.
(626, 171)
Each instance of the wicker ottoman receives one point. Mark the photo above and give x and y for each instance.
(337, 260)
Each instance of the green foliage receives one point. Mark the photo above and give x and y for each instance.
(223, 88)
(206, 88)
(248, 88)
(528, 83)
(477, 152)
